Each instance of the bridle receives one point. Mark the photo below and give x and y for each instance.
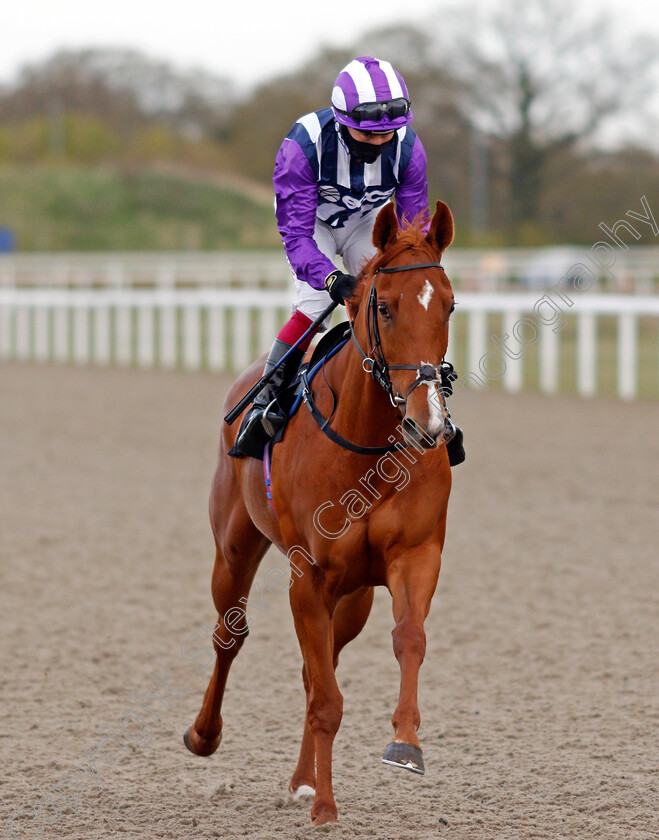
(375, 363)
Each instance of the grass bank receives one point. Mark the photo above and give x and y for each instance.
(105, 209)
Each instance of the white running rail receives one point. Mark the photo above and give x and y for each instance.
(226, 329)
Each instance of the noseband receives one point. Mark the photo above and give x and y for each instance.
(375, 362)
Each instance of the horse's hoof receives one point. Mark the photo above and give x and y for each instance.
(198, 745)
(327, 815)
(301, 794)
(399, 754)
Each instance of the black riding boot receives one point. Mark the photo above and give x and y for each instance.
(454, 444)
(453, 436)
(265, 418)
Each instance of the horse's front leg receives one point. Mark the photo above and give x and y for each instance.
(350, 617)
(411, 579)
(313, 624)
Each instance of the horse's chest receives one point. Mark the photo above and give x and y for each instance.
(374, 542)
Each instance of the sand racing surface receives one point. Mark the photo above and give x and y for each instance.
(539, 693)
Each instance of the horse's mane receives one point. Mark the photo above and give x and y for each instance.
(411, 236)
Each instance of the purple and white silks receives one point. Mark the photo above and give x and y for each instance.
(316, 178)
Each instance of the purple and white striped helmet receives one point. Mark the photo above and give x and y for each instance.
(371, 95)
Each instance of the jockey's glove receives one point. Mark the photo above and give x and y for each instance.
(340, 286)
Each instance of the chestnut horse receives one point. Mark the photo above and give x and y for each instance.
(396, 503)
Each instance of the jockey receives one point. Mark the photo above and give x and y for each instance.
(335, 169)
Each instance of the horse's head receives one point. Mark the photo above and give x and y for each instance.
(404, 316)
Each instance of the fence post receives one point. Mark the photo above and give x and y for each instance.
(217, 355)
(168, 345)
(627, 341)
(22, 348)
(145, 335)
(192, 337)
(477, 326)
(81, 335)
(6, 318)
(123, 335)
(242, 338)
(586, 354)
(513, 377)
(548, 361)
(61, 333)
(101, 329)
(41, 333)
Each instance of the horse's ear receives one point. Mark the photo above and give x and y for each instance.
(385, 229)
(441, 228)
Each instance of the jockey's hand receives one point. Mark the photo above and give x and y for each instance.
(340, 286)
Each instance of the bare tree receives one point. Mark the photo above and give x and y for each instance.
(538, 80)
(123, 87)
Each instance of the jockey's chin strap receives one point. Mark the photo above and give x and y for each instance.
(375, 362)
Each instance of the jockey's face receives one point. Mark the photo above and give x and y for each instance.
(375, 139)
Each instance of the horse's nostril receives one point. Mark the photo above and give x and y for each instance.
(410, 427)
(417, 434)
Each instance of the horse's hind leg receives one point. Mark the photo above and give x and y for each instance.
(350, 617)
(239, 552)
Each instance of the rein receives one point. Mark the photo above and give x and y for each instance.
(323, 425)
(377, 366)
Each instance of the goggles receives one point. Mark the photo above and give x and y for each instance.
(375, 111)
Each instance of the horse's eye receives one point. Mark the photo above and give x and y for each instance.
(452, 309)
(384, 311)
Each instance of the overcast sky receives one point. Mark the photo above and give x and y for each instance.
(246, 41)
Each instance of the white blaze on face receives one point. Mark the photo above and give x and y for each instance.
(436, 421)
(426, 295)
(436, 424)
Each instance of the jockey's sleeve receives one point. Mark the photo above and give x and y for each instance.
(412, 193)
(296, 202)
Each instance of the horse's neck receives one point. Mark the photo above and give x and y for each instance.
(364, 413)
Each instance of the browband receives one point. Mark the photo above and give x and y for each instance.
(407, 268)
